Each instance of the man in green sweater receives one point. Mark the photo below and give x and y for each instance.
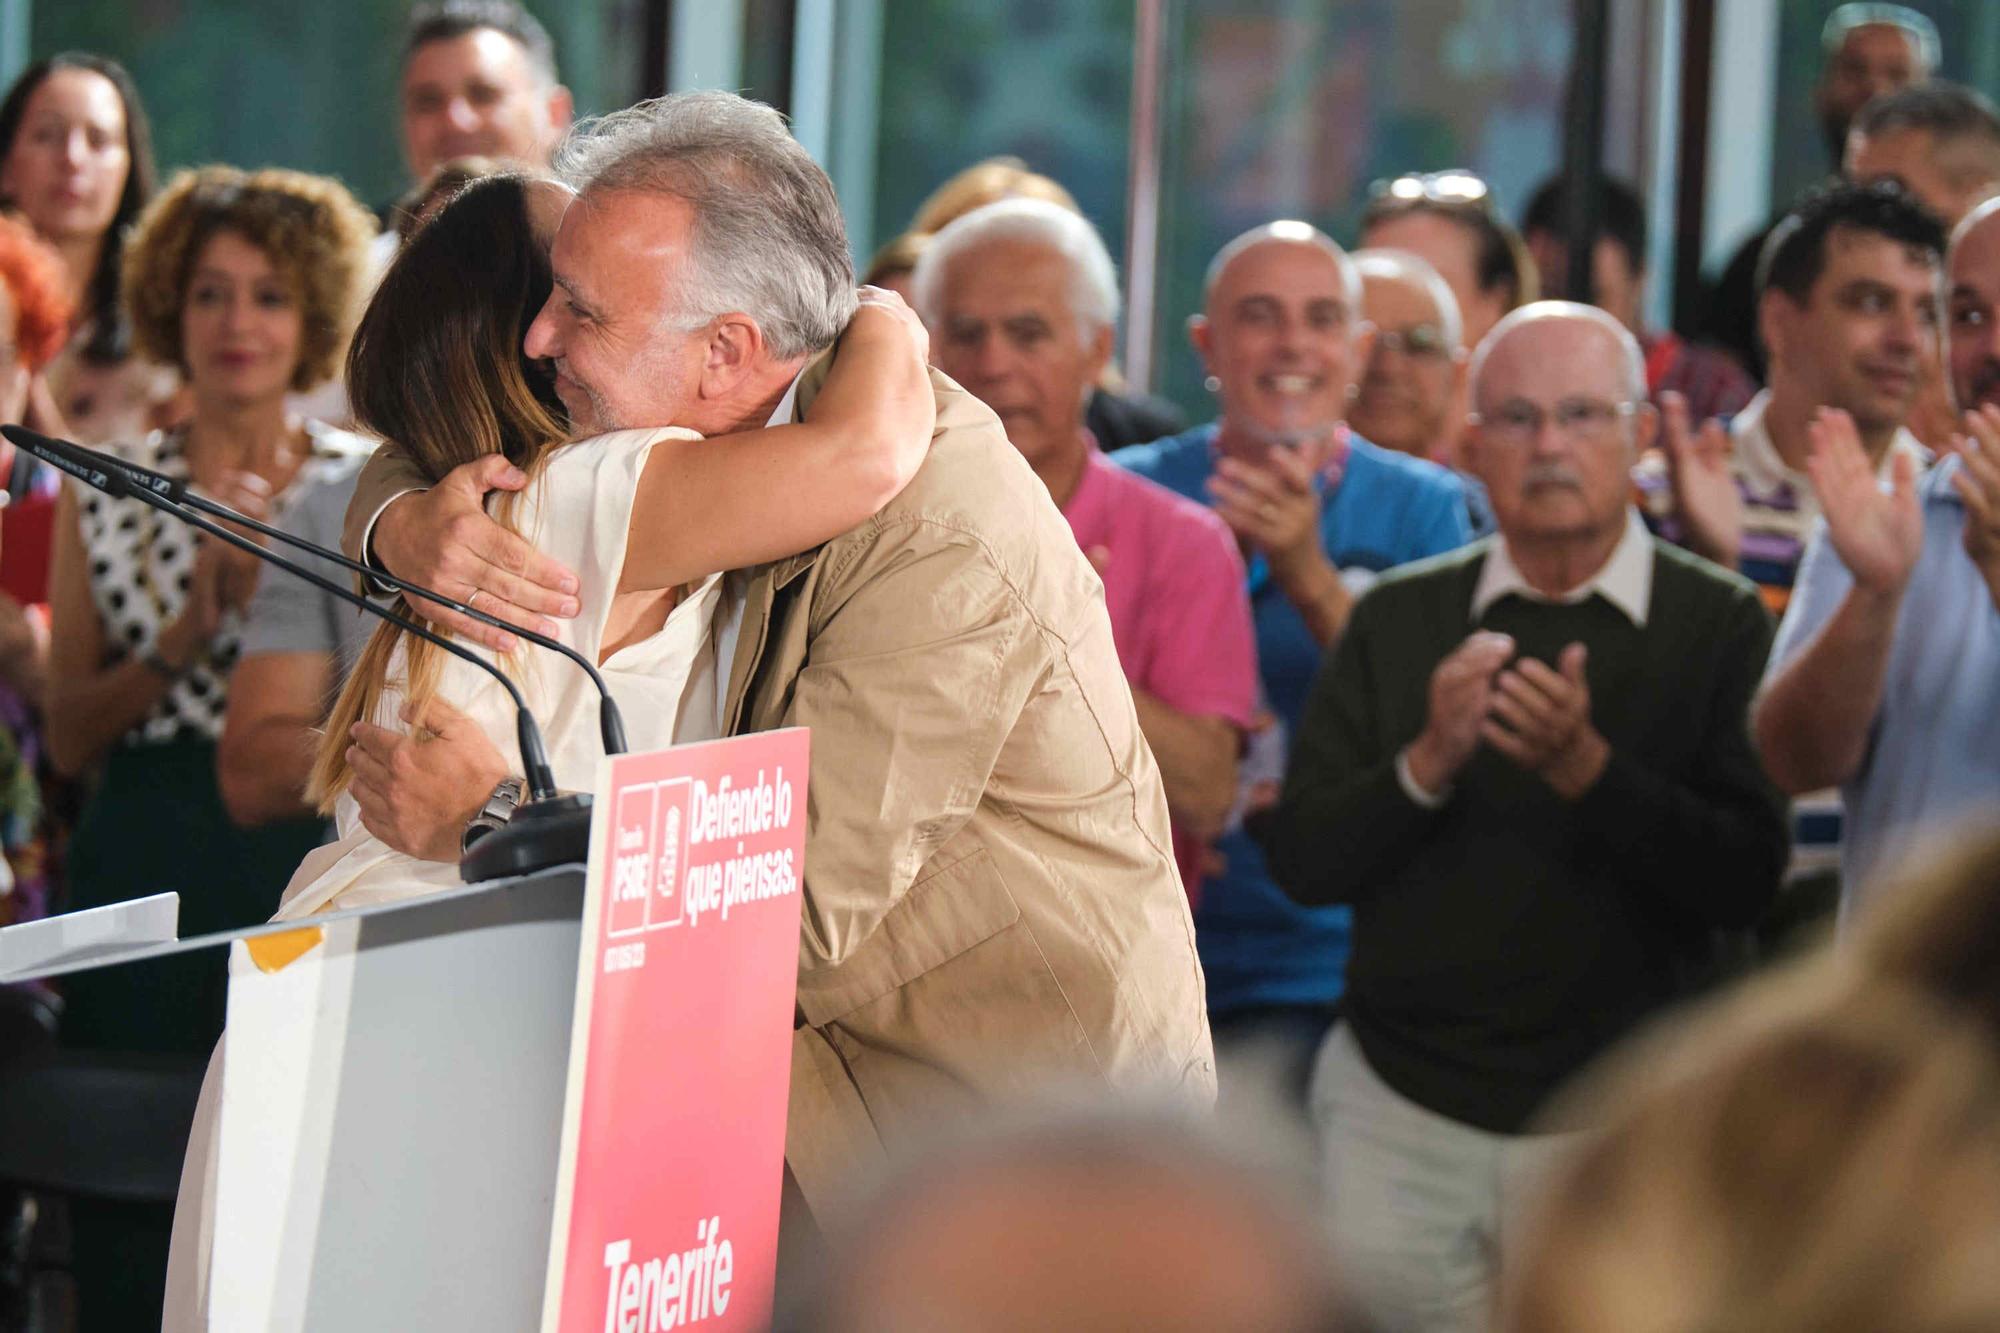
(1527, 768)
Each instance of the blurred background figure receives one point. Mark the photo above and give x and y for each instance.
(1416, 366)
(1940, 141)
(1534, 864)
(1871, 49)
(1022, 302)
(1120, 1221)
(299, 643)
(984, 183)
(1319, 512)
(1885, 678)
(1849, 310)
(1707, 378)
(1116, 415)
(479, 80)
(1791, 1165)
(34, 322)
(1447, 219)
(76, 164)
(246, 283)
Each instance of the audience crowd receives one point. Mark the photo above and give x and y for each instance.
(1480, 636)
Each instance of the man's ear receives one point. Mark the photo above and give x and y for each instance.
(1200, 337)
(1776, 316)
(1101, 345)
(562, 109)
(1645, 430)
(734, 350)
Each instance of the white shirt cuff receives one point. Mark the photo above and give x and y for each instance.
(1412, 788)
(375, 589)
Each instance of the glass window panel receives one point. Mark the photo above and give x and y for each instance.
(1049, 81)
(1291, 110)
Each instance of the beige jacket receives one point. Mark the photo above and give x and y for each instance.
(990, 900)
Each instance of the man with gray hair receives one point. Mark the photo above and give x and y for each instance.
(1021, 297)
(1527, 769)
(989, 895)
(1417, 364)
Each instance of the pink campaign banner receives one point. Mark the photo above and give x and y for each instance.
(680, 1057)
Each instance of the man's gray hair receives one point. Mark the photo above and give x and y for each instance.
(1093, 279)
(768, 239)
(1537, 311)
(1402, 266)
(1297, 233)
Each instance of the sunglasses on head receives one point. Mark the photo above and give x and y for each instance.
(1453, 186)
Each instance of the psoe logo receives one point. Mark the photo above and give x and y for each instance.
(666, 1292)
(632, 858)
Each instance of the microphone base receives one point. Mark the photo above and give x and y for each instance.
(541, 834)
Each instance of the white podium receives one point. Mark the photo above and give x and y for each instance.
(392, 1109)
(517, 1104)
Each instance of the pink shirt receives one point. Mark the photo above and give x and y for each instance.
(1180, 609)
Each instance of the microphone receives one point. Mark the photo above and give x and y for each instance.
(548, 830)
(610, 722)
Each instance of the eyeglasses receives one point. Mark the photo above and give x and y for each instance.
(1580, 420)
(1453, 186)
(1419, 342)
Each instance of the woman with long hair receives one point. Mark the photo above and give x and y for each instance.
(76, 164)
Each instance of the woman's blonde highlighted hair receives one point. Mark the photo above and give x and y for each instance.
(437, 367)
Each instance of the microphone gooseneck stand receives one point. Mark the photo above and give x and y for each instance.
(548, 830)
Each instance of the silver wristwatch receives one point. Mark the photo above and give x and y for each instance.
(499, 808)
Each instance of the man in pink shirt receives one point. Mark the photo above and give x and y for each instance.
(1021, 299)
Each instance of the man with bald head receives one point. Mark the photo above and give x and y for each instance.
(1417, 365)
(1885, 678)
(1319, 512)
(1526, 768)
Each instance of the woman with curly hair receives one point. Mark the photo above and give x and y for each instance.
(248, 284)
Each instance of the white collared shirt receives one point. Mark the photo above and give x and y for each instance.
(1625, 581)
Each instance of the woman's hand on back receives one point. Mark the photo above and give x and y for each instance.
(879, 390)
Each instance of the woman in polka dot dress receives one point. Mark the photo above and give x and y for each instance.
(247, 283)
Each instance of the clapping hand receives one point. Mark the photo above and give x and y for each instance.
(1540, 718)
(248, 494)
(1272, 506)
(1877, 536)
(1461, 694)
(1978, 484)
(1705, 492)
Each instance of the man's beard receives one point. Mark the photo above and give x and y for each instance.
(600, 419)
